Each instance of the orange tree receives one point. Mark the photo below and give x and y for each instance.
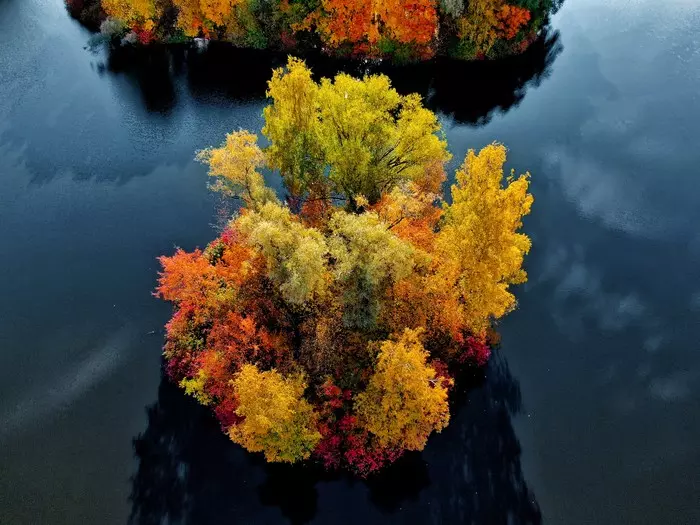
(403, 30)
(377, 27)
(330, 326)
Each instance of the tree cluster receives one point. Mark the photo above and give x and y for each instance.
(404, 30)
(331, 325)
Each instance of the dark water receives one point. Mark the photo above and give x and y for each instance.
(590, 413)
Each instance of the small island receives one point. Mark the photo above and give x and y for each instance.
(399, 30)
(331, 326)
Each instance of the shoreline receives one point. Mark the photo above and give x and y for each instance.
(445, 41)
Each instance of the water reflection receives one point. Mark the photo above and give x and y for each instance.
(124, 112)
(471, 92)
(480, 478)
(189, 472)
(150, 71)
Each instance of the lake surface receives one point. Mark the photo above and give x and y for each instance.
(589, 413)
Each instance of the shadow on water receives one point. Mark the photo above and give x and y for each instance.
(151, 71)
(471, 92)
(156, 106)
(189, 472)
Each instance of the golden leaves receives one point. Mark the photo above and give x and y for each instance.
(362, 132)
(485, 21)
(309, 291)
(132, 12)
(277, 419)
(403, 402)
(234, 165)
(479, 251)
(291, 124)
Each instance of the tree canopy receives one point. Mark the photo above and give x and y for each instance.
(276, 419)
(404, 30)
(360, 133)
(328, 324)
(404, 401)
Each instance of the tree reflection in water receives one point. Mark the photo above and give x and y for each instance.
(471, 92)
(190, 473)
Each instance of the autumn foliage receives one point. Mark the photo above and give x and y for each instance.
(405, 30)
(362, 26)
(330, 326)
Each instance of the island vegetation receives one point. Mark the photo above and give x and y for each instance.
(330, 326)
(403, 30)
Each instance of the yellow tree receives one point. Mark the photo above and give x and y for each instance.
(362, 132)
(235, 165)
(218, 11)
(189, 16)
(205, 15)
(479, 252)
(133, 12)
(291, 124)
(278, 420)
(480, 23)
(374, 138)
(404, 401)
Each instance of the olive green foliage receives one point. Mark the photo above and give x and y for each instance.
(351, 137)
